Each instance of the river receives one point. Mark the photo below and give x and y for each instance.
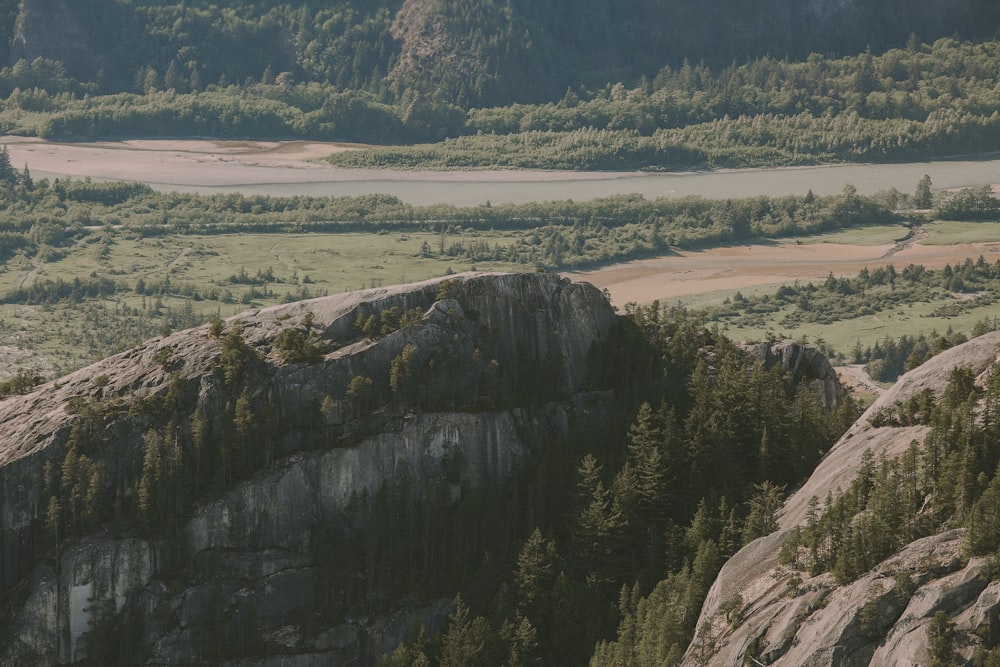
(289, 168)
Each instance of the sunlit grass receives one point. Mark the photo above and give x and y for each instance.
(868, 236)
(54, 338)
(950, 232)
(842, 336)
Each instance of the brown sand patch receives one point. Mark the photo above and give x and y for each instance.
(740, 267)
(181, 162)
(211, 163)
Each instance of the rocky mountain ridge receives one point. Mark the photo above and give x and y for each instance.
(242, 575)
(761, 610)
(231, 493)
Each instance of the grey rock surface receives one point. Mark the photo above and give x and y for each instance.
(503, 372)
(792, 619)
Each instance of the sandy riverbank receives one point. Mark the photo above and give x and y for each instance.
(210, 163)
(740, 267)
(204, 163)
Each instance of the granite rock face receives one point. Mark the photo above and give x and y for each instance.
(488, 371)
(800, 364)
(789, 618)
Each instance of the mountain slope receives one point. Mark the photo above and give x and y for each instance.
(477, 53)
(763, 608)
(242, 490)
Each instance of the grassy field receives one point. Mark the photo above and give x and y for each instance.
(55, 338)
(190, 279)
(949, 232)
(842, 336)
(867, 236)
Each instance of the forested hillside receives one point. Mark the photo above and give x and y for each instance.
(592, 85)
(285, 483)
(470, 53)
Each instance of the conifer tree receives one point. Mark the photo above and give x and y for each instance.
(923, 198)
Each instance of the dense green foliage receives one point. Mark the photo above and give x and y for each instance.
(905, 104)
(42, 218)
(971, 284)
(949, 480)
(547, 565)
(653, 515)
(44, 222)
(469, 53)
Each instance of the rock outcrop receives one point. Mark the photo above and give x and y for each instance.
(450, 385)
(800, 364)
(786, 617)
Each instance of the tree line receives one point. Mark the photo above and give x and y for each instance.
(869, 293)
(621, 569)
(912, 103)
(947, 481)
(45, 218)
(468, 54)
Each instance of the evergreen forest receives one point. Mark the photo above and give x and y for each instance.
(605, 552)
(633, 532)
(526, 95)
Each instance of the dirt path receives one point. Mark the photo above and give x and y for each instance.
(28, 275)
(917, 232)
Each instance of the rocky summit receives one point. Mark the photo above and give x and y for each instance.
(305, 484)
(197, 499)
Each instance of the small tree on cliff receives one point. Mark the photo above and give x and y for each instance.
(401, 373)
(358, 393)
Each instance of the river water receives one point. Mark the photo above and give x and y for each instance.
(498, 187)
(467, 188)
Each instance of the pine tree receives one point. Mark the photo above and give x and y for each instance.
(941, 634)
(244, 429)
(8, 175)
(984, 521)
(599, 529)
(522, 642)
(763, 516)
(535, 573)
(646, 458)
(923, 198)
(469, 642)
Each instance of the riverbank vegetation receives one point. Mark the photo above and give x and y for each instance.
(43, 219)
(906, 104)
(914, 292)
(89, 269)
(645, 520)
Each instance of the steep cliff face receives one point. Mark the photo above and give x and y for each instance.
(800, 365)
(761, 609)
(432, 391)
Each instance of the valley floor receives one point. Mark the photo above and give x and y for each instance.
(740, 267)
(296, 168)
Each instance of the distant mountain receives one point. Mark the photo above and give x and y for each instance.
(472, 53)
